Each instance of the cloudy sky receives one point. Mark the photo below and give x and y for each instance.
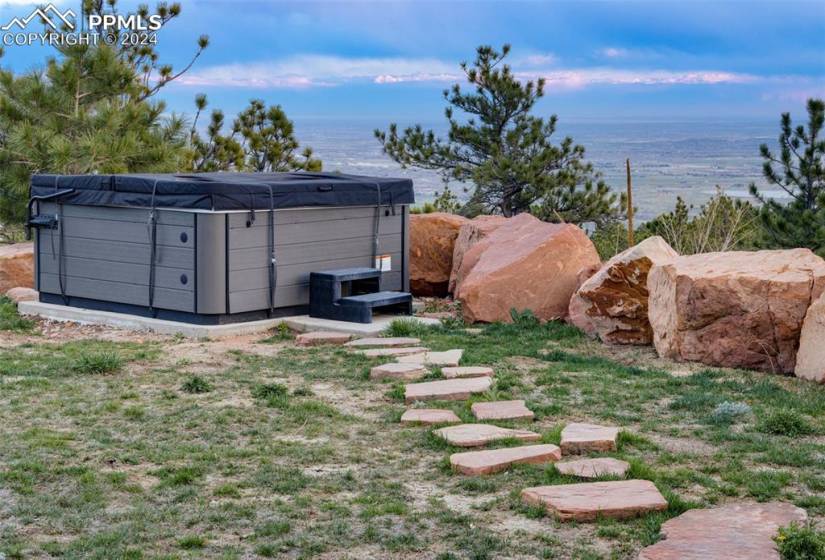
(602, 60)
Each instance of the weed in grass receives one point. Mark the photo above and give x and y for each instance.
(784, 422)
(269, 391)
(280, 333)
(196, 385)
(406, 327)
(10, 320)
(728, 412)
(765, 485)
(273, 529)
(178, 477)
(801, 542)
(477, 485)
(192, 542)
(102, 362)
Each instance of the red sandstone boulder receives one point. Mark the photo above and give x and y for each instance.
(525, 264)
(432, 239)
(16, 266)
(734, 309)
(22, 294)
(612, 304)
(810, 360)
(470, 233)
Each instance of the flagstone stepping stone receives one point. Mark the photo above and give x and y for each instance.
(395, 352)
(382, 342)
(447, 390)
(449, 358)
(731, 532)
(467, 371)
(593, 468)
(492, 461)
(476, 435)
(429, 416)
(582, 438)
(501, 410)
(473, 330)
(587, 501)
(409, 372)
(317, 338)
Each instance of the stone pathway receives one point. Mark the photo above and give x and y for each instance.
(730, 532)
(374, 342)
(501, 410)
(317, 338)
(429, 416)
(394, 352)
(593, 468)
(447, 358)
(407, 372)
(467, 371)
(588, 501)
(476, 435)
(496, 460)
(583, 438)
(447, 390)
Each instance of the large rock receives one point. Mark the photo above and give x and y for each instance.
(734, 309)
(730, 532)
(432, 239)
(525, 264)
(470, 233)
(810, 360)
(16, 266)
(612, 304)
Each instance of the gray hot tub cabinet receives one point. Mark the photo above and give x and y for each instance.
(210, 264)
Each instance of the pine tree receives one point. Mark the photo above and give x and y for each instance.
(90, 110)
(800, 172)
(261, 139)
(504, 151)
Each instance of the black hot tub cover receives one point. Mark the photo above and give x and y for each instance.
(224, 191)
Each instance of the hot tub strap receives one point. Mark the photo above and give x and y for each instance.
(153, 238)
(61, 255)
(273, 263)
(376, 227)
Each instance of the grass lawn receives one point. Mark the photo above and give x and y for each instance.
(133, 446)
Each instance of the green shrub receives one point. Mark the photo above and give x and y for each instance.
(101, 362)
(196, 385)
(406, 327)
(10, 320)
(785, 422)
(269, 391)
(798, 542)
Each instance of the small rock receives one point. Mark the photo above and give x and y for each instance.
(476, 435)
(467, 371)
(429, 416)
(593, 468)
(409, 372)
(474, 330)
(502, 410)
(388, 342)
(448, 390)
(379, 352)
(588, 501)
(496, 460)
(447, 358)
(19, 294)
(582, 438)
(730, 532)
(317, 338)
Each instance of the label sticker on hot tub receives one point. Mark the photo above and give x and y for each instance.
(383, 263)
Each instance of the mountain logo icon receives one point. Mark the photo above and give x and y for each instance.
(48, 14)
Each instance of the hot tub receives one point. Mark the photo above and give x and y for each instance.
(212, 248)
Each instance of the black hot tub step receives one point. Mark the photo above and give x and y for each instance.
(378, 299)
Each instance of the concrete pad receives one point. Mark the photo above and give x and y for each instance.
(593, 468)
(319, 338)
(407, 372)
(476, 435)
(388, 342)
(448, 390)
(730, 532)
(583, 438)
(429, 416)
(404, 351)
(588, 501)
(496, 460)
(501, 410)
(449, 358)
(300, 323)
(467, 371)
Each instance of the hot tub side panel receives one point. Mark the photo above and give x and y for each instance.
(308, 240)
(105, 256)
